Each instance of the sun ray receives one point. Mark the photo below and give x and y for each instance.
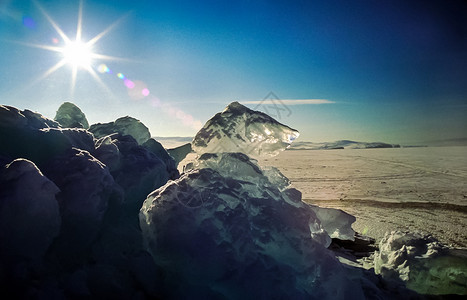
(45, 47)
(108, 57)
(80, 21)
(74, 72)
(52, 69)
(52, 22)
(76, 53)
(100, 82)
(107, 30)
(47, 73)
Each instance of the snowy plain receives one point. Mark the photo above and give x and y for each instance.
(422, 188)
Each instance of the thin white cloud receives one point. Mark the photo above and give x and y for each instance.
(289, 101)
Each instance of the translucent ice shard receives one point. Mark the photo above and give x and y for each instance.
(179, 153)
(69, 115)
(336, 222)
(240, 129)
(125, 126)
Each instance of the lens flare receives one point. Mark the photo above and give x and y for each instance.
(135, 89)
(103, 68)
(29, 22)
(129, 84)
(120, 75)
(145, 92)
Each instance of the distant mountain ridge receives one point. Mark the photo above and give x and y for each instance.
(449, 142)
(342, 144)
(173, 142)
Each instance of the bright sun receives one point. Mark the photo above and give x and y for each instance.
(77, 54)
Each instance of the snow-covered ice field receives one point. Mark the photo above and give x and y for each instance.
(422, 189)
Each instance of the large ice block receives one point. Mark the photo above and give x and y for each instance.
(240, 129)
(219, 236)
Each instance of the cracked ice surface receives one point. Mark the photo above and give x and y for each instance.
(240, 129)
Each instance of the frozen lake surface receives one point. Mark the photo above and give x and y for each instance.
(416, 189)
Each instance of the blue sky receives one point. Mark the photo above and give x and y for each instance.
(393, 71)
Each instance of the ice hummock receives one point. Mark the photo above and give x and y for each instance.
(240, 129)
(220, 237)
(424, 264)
(26, 197)
(336, 222)
(241, 221)
(86, 188)
(124, 126)
(70, 116)
(69, 208)
(239, 167)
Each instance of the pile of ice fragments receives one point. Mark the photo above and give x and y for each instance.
(425, 265)
(69, 203)
(226, 228)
